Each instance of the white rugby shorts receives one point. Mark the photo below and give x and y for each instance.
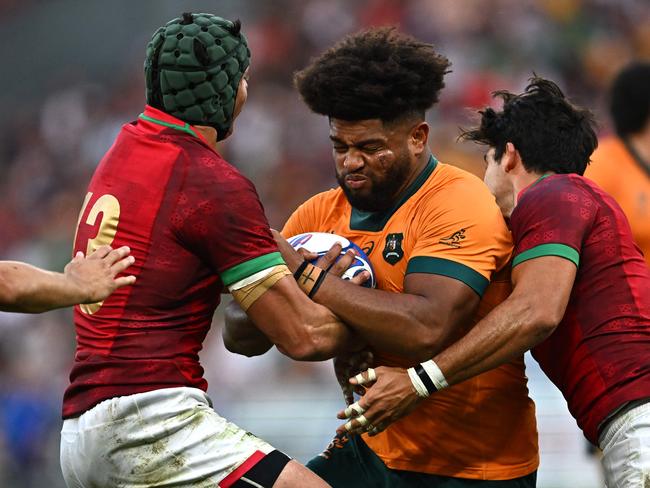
(625, 443)
(168, 437)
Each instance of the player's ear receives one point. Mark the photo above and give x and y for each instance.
(510, 159)
(419, 137)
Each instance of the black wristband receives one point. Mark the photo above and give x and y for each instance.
(319, 281)
(300, 269)
(424, 376)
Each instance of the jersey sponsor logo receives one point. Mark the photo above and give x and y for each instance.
(453, 240)
(393, 251)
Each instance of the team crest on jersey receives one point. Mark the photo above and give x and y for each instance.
(393, 251)
(453, 240)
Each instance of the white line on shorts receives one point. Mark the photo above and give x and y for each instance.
(251, 482)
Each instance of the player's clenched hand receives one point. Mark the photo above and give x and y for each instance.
(390, 396)
(94, 277)
(350, 365)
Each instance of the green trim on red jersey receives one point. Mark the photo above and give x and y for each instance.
(248, 268)
(183, 128)
(560, 250)
(375, 221)
(443, 267)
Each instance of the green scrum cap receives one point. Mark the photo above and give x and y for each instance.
(193, 67)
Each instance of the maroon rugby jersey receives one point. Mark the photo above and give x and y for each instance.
(599, 355)
(194, 225)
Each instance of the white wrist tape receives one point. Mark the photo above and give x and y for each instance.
(435, 374)
(420, 389)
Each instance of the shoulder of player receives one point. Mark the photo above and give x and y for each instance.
(610, 149)
(450, 185)
(332, 198)
(209, 166)
(556, 191)
(609, 162)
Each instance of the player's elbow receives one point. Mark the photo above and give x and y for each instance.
(544, 319)
(305, 349)
(425, 349)
(306, 345)
(424, 344)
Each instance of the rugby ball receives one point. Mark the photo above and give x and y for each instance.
(321, 242)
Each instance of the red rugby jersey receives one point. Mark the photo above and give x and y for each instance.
(598, 355)
(194, 224)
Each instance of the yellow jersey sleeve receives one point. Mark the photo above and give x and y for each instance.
(461, 234)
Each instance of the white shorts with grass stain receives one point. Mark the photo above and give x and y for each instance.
(161, 438)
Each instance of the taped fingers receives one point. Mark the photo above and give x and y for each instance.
(363, 421)
(370, 376)
(354, 410)
(356, 424)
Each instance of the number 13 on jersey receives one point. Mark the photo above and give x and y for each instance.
(106, 212)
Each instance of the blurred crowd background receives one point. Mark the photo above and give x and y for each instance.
(72, 75)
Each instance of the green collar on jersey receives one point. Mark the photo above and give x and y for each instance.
(375, 221)
(183, 128)
(541, 178)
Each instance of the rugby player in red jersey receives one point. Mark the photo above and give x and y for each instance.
(136, 412)
(581, 297)
(28, 289)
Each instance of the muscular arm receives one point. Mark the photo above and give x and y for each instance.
(26, 288)
(542, 288)
(300, 328)
(432, 311)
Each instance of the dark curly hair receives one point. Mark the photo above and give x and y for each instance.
(629, 98)
(550, 133)
(375, 74)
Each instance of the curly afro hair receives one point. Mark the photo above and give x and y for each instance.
(550, 133)
(375, 74)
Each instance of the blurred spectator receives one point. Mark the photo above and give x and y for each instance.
(621, 164)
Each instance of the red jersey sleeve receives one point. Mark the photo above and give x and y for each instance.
(220, 218)
(552, 218)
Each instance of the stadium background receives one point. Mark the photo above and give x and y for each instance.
(72, 74)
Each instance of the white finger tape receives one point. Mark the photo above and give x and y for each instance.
(372, 375)
(354, 408)
(363, 421)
